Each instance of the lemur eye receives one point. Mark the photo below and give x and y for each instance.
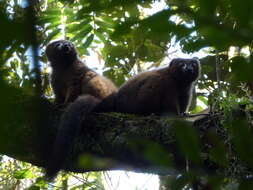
(57, 45)
(183, 65)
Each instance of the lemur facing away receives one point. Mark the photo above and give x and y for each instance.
(72, 82)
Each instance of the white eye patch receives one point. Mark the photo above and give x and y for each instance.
(58, 46)
(184, 67)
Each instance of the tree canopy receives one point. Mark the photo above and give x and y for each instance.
(128, 37)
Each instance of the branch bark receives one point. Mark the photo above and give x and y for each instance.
(108, 141)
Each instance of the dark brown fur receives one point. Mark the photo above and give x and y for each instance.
(160, 91)
(166, 90)
(79, 87)
(71, 77)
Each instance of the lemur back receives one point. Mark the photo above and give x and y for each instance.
(166, 90)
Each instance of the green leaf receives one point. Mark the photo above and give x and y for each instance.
(186, 135)
(241, 69)
(242, 11)
(197, 109)
(69, 11)
(53, 11)
(53, 25)
(49, 19)
(242, 139)
(203, 99)
(23, 174)
(218, 151)
(100, 35)
(34, 187)
(108, 20)
(53, 34)
(83, 33)
(82, 14)
(78, 26)
(88, 41)
(104, 24)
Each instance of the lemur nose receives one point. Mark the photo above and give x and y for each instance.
(66, 47)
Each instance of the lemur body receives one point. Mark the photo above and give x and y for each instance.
(71, 77)
(77, 87)
(166, 90)
(161, 91)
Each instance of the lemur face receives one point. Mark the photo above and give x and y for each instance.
(61, 51)
(185, 69)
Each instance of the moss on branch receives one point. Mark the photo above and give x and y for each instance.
(114, 141)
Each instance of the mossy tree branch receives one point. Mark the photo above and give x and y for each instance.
(110, 141)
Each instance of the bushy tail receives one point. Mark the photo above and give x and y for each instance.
(70, 125)
(107, 105)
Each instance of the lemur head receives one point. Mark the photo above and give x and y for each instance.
(61, 52)
(185, 70)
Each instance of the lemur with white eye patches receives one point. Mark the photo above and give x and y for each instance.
(167, 90)
(71, 77)
(77, 87)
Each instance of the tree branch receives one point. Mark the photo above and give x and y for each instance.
(108, 140)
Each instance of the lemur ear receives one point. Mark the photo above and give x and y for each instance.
(195, 61)
(180, 61)
(173, 61)
(177, 61)
(65, 46)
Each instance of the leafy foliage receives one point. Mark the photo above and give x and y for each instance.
(127, 39)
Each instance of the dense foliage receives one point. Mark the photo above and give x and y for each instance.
(130, 36)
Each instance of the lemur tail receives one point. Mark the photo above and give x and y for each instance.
(70, 125)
